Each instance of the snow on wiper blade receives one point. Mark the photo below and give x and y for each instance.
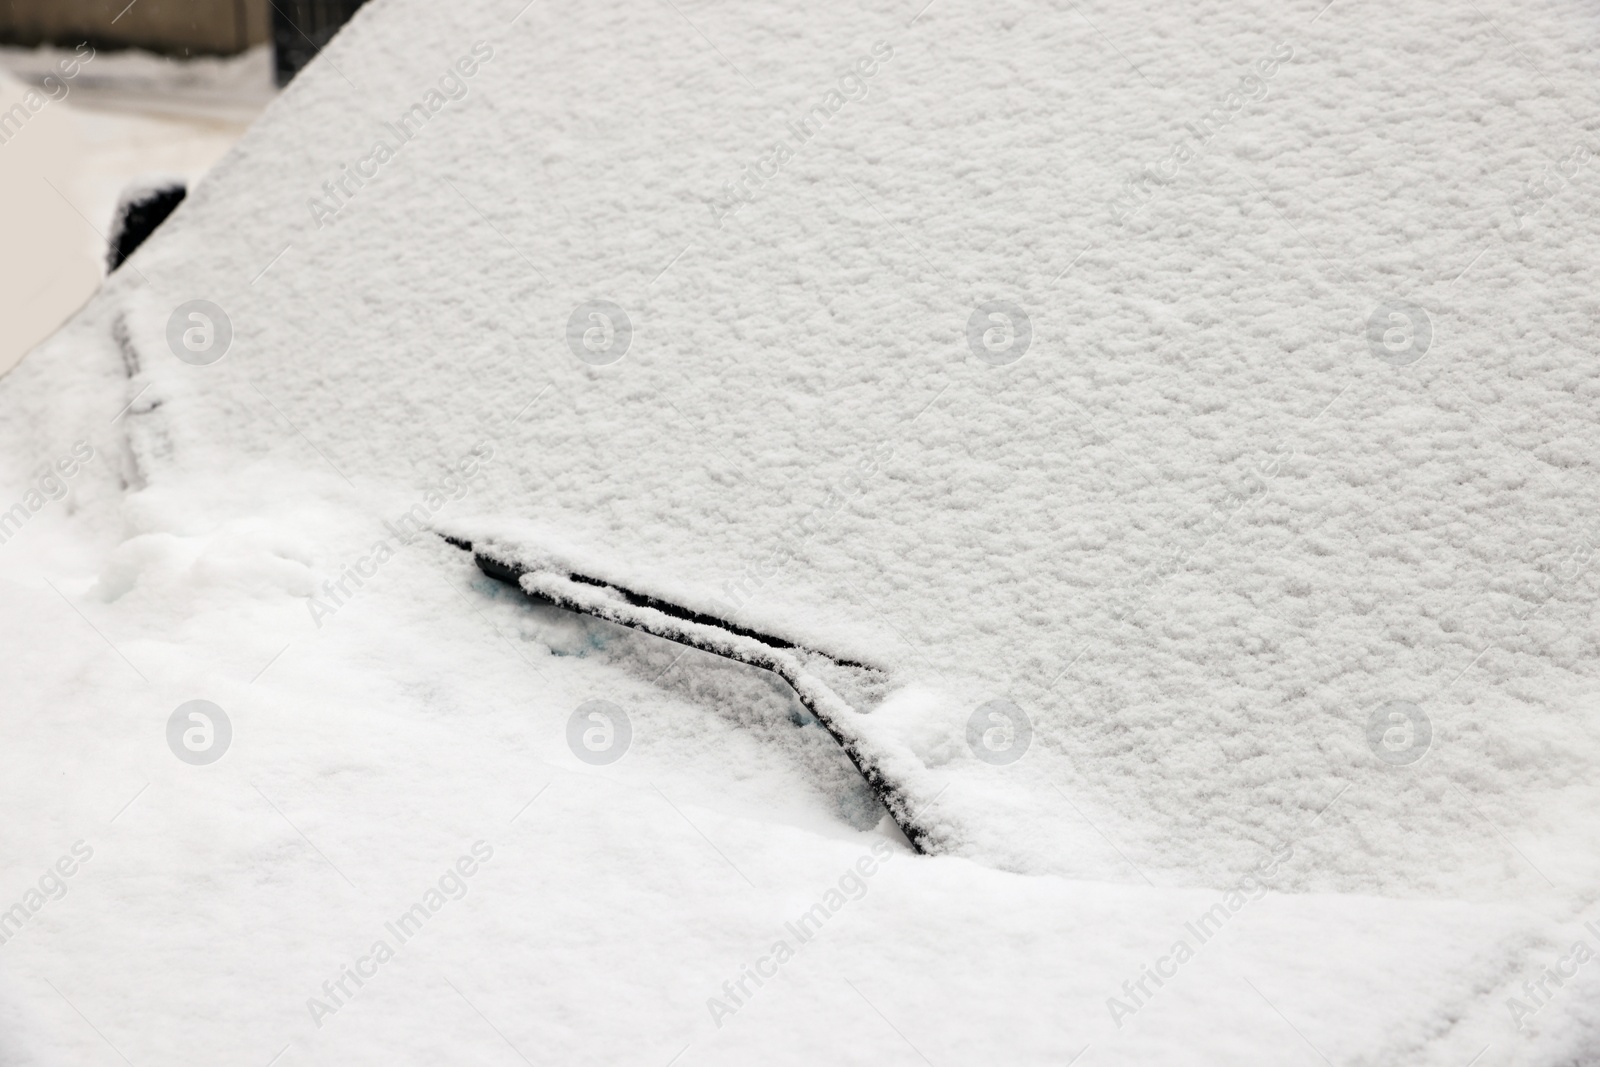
(835, 690)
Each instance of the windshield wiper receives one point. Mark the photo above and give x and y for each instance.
(835, 690)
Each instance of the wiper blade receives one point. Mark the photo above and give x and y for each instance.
(835, 690)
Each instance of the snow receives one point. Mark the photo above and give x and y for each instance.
(113, 122)
(1204, 532)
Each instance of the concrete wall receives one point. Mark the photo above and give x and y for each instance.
(172, 27)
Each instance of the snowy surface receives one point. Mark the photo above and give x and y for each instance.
(1200, 532)
(114, 121)
(221, 89)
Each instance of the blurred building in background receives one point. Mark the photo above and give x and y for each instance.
(168, 27)
(300, 28)
(297, 29)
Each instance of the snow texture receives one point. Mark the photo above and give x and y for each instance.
(1199, 379)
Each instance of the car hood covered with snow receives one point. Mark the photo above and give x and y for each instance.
(1183, 414)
